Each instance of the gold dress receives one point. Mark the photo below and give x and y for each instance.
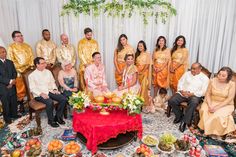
(45, 49)
(144, 75)
(66, 53)
(22, 56)
(161, 59)
(121, 62)
(85, 50)
(179, 62)
(221, 121)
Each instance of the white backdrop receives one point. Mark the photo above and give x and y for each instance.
(208, 25)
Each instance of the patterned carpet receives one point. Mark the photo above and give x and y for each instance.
(153, 124)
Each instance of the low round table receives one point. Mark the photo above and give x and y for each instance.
(98, 129)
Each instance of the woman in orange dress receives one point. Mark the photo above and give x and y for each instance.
(216, 111)
(143, 63)
(122, 49)
(161, 62)
(179, 62)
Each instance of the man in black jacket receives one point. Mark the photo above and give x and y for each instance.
(7, 87)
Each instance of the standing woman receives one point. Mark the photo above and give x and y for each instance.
(143, 64)
(122, 49)
(179, 62)
(161, 62)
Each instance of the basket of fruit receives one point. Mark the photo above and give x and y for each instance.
(182, 146)
(55, 147)
(150, 140)
(143, 151)
(72, 148)
(166, 143)
(33, 147)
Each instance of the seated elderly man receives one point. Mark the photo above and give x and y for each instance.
(44, 89)
(95, 76)
(191, 88)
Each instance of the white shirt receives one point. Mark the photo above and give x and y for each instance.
(41, 82)
(194, 84)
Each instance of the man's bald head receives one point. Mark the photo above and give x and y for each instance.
(64, 39)
(196, 68)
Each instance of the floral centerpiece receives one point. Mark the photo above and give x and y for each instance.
(133, 103)
(79, 101)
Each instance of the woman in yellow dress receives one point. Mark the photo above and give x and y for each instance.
(122, 49)
(161, 62)
(143, 63)
(216, 111)
(179, 62)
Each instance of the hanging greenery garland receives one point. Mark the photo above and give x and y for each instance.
(121, 8)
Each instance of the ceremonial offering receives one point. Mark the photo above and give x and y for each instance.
(182, 146)
(72, 148)
(33, 147)
(166, 142)
(149, 140)
(143, 151)
(55, 147)
(79, 101)
(116, 100)
(133, 103)
(99, 99)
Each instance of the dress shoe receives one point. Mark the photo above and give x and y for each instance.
(59, 120)
(53, 124)
(176, 120)
(182, 126)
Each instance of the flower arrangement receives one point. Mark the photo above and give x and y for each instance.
(133, 103)
(79, 100)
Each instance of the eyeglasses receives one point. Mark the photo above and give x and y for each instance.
(19, 36)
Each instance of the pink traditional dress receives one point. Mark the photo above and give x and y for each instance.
(128, 76)
(95, 79)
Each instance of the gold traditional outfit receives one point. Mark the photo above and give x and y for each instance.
(66, 53)
(221, 121)
(85, 50)
(144, 75)
(121, 62)
(179, 62)
(45, 49)
(22, 56)
(161, 60)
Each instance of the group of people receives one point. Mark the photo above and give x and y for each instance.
(135, 71)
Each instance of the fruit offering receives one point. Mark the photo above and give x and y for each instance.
(33, 147)
(167, 138)
(143, 151)
(17, 153)
(31, 132)
(182, 145)
(55, 146)
(150, 140)
(72, 148)
(165, 146)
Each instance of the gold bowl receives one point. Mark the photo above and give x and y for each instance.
(116, 100)
(109, 95)
(99, 99)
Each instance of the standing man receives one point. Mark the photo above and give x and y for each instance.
(22, 56)
(44, 89)
(86, 47)
(7, 87)
(66, 51)
(45, 47)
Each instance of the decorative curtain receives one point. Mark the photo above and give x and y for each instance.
(208, 25)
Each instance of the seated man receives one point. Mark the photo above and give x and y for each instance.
(7, 87)
(191, 88)
(95, 76)
(44, 89)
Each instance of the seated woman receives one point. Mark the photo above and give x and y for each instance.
(67, 78)
(216, 111)
(130, 78)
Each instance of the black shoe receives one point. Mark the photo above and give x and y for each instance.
(53, 124)
(176, 120)
(182, 126)
(59, 120)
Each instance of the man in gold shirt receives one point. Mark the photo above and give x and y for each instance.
(22, 56)
(66, 51)
(45, 47)
(86, 47)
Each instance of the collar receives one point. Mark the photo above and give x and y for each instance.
(3, 60)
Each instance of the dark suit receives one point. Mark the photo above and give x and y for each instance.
(8, 95)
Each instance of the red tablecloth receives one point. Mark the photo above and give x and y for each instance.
(98, 128)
